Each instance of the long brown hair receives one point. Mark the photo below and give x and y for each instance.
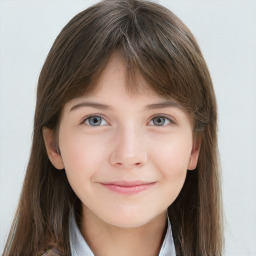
(155, 43)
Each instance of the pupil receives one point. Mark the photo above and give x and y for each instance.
(95, 121)
(158, 121)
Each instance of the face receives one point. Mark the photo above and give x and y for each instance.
(125, 154)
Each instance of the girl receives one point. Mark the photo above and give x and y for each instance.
(124, 154)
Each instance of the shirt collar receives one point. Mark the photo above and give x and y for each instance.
(79, 247)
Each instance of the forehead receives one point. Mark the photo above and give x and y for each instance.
(118, 86)
(118, 76)
(112, 91)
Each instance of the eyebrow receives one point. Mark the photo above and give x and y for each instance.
(165, 104)
(90, 104)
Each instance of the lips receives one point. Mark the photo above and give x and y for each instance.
(128, 187)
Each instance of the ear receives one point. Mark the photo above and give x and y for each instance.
(52, 148)
(195, 153)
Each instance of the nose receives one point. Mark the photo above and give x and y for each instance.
(129, 149)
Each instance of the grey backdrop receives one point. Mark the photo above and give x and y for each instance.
(226, 32)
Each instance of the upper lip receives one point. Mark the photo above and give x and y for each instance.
(124, 183)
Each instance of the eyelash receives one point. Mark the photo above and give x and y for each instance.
(93, 116)
(170, 120)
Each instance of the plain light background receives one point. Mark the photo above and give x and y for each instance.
(226, 33)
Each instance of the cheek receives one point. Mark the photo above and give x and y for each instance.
(81, 156)
(171, 156)
(172, 151)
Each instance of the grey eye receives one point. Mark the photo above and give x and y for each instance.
(160, 121)
(94, 121)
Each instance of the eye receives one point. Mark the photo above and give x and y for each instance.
(160, 121)
(95, 121)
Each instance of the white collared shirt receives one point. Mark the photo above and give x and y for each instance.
(79, 247)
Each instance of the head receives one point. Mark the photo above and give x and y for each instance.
(160, 58)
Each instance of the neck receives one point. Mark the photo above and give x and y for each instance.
(108, 240)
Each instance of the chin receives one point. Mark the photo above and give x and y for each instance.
(128, 219)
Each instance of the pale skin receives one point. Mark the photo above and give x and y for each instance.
(111, 136)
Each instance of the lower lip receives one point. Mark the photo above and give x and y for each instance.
(129, 190)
